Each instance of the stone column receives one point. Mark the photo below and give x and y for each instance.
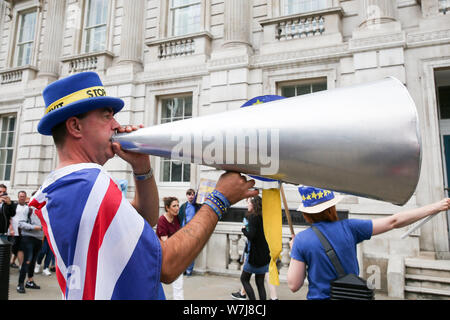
(237, 23)
(377, 12)
(131, 39)
(53, 38)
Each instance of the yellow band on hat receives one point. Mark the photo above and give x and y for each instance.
(92, 92)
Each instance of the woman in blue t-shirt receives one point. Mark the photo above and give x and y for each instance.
(318, 208)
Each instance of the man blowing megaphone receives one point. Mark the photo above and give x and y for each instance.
(105, 246)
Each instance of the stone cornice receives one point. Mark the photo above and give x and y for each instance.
(323, 12)
(179, 38)
(382, 41)
(84, 55)
(316, 54)
(168, 74)
(428, 38)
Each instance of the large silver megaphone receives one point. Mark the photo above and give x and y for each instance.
(362, 140)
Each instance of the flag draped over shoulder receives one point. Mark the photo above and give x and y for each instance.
(272, 222)
(104, 249)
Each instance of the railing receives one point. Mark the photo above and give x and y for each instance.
(325, 22)
(224, 252)
(444, 6)
(93, 61)
(185, 46)
(300, 28)
(83, 64)
(175, 48)
(236, 252)
(11, 76)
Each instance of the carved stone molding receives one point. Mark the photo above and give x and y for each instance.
(315, 54)
(378, 42)
(428, 38)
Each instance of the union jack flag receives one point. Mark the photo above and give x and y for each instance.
(104, 249)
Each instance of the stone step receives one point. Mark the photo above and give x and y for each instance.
(412, 292)
(443, 265)
(434, 268)
(425, 281)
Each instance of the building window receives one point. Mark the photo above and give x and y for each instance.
(444, 6)
(301, 6)
(185, 16)
(292, 90)
(25, 39)
(174, 109)
(95, 25)
(444, 102)
(7, 124)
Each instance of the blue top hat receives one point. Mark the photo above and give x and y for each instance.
(315, 200)
(259, 100)
(74, 95)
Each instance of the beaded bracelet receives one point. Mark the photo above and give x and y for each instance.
(214, 208)
(218, 202)
(221, 197)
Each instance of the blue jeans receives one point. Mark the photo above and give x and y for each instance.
(30, 246)
(47, 252)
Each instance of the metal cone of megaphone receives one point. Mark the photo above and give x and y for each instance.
(362, 140)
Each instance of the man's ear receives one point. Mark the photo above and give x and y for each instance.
(73, 127)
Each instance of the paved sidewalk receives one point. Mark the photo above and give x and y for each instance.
(196, 287)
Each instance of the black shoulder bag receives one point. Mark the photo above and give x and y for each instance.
(346, 286)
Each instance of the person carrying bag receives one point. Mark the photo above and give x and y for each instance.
(346, 286)
(332, 273)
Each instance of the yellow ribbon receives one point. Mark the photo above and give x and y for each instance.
(272, 223)
(92, 92)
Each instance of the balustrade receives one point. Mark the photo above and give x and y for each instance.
(176, 48)
(11, 76)
(300, 28)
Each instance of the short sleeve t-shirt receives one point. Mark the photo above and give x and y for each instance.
(343, 236)
(166, 228)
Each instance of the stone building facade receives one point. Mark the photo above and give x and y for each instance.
(172, 60)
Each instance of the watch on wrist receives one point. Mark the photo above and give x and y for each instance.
(143, 176)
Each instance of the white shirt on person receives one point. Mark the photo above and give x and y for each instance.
(21, 214)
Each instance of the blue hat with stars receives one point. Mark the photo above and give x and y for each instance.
(315, 200)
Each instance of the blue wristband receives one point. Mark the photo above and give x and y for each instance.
(216, 209)
(218, 202)
(221, 197)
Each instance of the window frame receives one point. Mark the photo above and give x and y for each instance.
(172, 18)
(107, 24)
(160, 161)
(284, 4)
(308, 81)
(17, 40)
(275, 8)
(17, 10)
(13, 146)
(165, 20)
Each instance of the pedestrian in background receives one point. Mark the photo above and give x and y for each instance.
(31, 242)
(21, 208)
(258, 258)
(185, 214)
(49, 258)
(6, 212)
(167, 225)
